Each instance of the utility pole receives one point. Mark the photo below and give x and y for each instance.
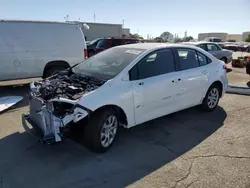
(94, 17)
(122, 23)
(66, 18)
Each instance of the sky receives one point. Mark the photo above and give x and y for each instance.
(142, 16)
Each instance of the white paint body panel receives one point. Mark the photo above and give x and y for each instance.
(26, 47)
(7, 102)
(158, 96)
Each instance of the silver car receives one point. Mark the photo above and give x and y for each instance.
(215, 50)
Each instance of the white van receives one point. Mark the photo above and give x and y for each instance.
(39, 49)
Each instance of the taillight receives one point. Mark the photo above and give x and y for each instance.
(85, 53)
(249, 59)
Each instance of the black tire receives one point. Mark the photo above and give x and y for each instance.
(53, 70)
(224, 59)
(206, 103)
(91, 53)
(94, 128)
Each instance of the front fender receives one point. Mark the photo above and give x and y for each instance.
(119, 94)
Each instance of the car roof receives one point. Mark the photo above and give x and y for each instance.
(120, 38)
(197, 43)
(148, 46)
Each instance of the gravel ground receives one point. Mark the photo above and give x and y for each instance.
(185, 149)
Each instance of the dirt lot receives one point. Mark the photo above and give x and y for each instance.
(186, 149)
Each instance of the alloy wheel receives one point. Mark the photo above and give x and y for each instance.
(213, 98)
(108, 131)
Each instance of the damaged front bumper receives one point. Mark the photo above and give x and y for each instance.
(45, 124)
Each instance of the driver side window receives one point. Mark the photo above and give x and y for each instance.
(156, 63)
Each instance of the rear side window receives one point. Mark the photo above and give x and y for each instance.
(202, 59)
(187, 58)
(116, 42)
(157, 63)
(102, 43)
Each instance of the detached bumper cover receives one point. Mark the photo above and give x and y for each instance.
(42, 123)
(34, 130)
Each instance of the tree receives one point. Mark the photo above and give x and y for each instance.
(167, 36)
(158, 39)
(136, 36)
(177, 40)
(187, 39)
(248, 38)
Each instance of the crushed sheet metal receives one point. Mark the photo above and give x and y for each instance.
(238, 90)
(7, 102)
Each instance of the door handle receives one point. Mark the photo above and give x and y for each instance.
(141, 83)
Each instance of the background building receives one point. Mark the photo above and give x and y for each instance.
(126, 32)
(225, 36)
(98, 30)
(235, 37)
(222, 36)
(245, 35)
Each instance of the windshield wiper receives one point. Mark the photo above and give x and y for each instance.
(70, 68)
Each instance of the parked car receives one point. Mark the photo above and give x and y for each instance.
(236, 47)
(106, 43)
(124, 86)
(39, 49)
(91, 46)
(215, 50)
(215, 40)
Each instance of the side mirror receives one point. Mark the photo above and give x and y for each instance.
(125, 77)
(86, 26)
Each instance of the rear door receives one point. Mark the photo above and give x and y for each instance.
(154, 89)
(193, 77)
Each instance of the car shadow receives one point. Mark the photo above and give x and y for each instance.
(15, 90)
(136, 153)
(248, 84)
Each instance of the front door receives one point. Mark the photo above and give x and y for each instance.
(214, 50)
(153, 85)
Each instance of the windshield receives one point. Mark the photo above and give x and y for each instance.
(102, 43)
(93, 41)
(108, 63)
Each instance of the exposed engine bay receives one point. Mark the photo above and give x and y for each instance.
(54, 103)
(65, 84)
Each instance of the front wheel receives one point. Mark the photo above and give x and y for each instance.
(212, 98)
(101, 130)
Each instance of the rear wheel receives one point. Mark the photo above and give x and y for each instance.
(101, 130)
(224, 59)
(91, 53)
(212, 98)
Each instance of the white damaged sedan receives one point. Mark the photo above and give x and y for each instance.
(124, 86)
